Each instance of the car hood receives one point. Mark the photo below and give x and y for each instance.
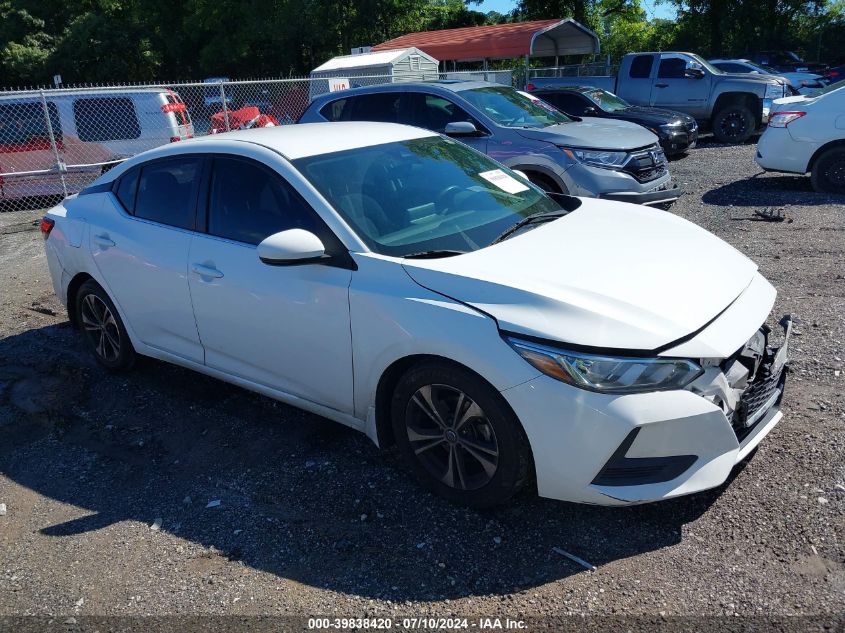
(593, 133)
(651, 116)
(760, 79)
(609, 275)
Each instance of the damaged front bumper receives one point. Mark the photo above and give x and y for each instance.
(626, 449)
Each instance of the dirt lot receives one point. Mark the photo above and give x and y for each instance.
(314, 520)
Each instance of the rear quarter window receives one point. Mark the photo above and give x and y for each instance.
(102, 119)
(125, 189)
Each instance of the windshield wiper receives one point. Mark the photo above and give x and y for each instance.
(433, 254)
(534, 218)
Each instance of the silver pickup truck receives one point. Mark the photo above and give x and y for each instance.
(732, 106)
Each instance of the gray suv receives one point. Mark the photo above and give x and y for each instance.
(586, 156)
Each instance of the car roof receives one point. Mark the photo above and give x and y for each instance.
(52, 94)
(450, 85)
(311, 139)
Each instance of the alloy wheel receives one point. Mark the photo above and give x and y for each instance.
(451, 437)
(101, 328)
(734, 125)
(834, 174)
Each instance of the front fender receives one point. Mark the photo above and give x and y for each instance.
(393, 317)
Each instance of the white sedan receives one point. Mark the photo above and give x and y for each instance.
(807, 134)
(405, 285)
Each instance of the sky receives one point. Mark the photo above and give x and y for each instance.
(653, 8)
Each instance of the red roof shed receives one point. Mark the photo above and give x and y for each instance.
(540, 38)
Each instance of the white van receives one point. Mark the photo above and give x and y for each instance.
(92, 129)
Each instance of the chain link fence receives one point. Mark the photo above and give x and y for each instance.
(574, 70)
(53, 142)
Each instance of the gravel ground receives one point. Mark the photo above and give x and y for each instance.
(111, 483)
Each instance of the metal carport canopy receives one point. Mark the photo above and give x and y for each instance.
(540, 38)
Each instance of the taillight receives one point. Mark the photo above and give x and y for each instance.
(530, 87)
(174, 107)
(782, 119)
(46, 226)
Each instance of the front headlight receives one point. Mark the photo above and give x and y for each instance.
(597, 158)
(775, 91)
(672, 126)
(608, 374)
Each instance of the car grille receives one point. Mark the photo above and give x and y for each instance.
(756, 397)
(646, 164)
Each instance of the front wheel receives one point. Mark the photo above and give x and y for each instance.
(733, 124)
(459, 436)
(102, 328)
(828, 175)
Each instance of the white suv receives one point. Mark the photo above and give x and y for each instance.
(807, 134)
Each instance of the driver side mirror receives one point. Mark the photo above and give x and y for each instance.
(589, 111)
(461, 128)
(291, 247)
(694, 73)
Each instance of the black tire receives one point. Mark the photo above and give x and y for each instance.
(734, 123)
(544, 182)
(478, 423)
(828, 175)
(102, 329)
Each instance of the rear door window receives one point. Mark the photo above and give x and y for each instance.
(249, 203)
(382, 107)
(335, 110)
(23, 126)
(641, 67)
(167, 191)
(103, 119)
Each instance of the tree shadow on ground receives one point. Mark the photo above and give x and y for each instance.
(310, 500)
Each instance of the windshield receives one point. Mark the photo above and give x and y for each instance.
(607, 101)
(509, 108)
(423, 194)
(763, 69)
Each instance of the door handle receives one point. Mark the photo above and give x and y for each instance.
(206, 271)
(661, 85)
(103, 241)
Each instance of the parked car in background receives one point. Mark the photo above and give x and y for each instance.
(835, 73)
(732, 106)
(786, 61)
(213, 99)
(610, 354)
(801, 82)
(678, 132)
(807, 134)
(597, 158)
(91, 130)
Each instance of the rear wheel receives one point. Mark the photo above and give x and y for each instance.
(734, 123)
(102, 329)
(459, 436)
(828, 175)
